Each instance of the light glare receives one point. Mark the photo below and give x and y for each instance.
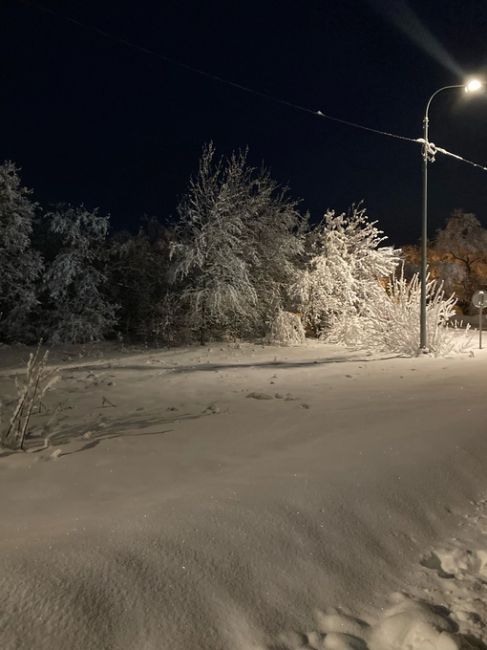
(473, 86)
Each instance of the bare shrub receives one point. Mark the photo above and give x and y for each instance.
(30, 391)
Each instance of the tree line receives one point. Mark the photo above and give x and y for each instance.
(239, 260)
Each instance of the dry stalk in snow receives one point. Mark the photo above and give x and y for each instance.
(30, 392)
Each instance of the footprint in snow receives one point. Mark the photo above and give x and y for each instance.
(212, 409)
(457, 562)
(407, 624)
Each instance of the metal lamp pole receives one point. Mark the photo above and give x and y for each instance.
(472, 86)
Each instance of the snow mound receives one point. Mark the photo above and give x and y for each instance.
(411, 624)
(407, 624)
(458, 562)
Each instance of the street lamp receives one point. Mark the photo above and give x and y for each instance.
(471, 86)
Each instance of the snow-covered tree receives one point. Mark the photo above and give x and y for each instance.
(462, 244)
(138, 281)
(236, 244)
(273, 245)
(76, 308)
(207, 256)
(346, 263)
(20, 265)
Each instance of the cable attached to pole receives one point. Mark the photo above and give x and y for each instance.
(430, 148)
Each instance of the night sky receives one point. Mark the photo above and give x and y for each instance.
(91, 120)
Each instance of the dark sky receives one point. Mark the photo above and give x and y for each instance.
(90, 120)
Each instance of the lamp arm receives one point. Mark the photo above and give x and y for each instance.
(426, 113)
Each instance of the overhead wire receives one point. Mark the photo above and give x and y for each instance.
(430, 150)
(461, 158)
(209, 75)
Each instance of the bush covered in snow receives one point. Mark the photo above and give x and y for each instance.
(349, 294)
(389, 320)
(287, 329)
(345, 262)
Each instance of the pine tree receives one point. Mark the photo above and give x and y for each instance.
(20, 265)
(76, 308)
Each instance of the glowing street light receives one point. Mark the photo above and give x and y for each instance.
(474, 85)
(471, 86)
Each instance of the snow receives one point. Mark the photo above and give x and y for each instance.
(172, 510)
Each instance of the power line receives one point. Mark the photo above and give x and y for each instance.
(432, 149)
(209, 75)
(465, 160)
(364, 128)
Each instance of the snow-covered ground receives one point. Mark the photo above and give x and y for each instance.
(248, 498)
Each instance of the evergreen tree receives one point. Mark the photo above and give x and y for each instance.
(20, 265)
(76, 308)
(139, 282)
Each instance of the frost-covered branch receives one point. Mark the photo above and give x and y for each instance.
(30, 391)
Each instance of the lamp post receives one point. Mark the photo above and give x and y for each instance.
(472, 86)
